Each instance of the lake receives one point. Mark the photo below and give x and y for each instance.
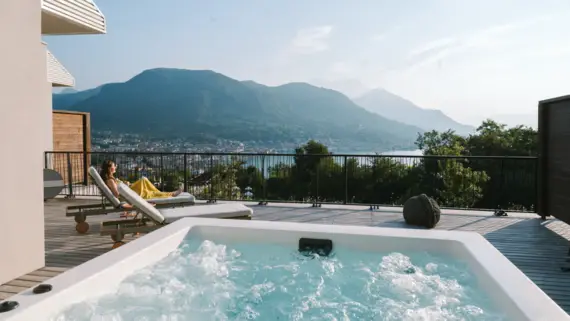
(417, 152)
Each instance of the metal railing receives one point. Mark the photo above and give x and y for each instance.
(478, 182)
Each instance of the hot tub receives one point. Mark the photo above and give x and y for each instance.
(396, 276)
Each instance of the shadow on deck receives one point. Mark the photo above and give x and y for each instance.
(538, 248)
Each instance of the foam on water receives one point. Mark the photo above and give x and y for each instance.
(205, 281)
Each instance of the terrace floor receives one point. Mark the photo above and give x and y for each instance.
(536, 247)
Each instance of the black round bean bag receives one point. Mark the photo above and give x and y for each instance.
(422, 210)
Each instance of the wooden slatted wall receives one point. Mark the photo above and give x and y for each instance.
(71, 133)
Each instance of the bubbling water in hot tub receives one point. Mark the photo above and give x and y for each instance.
(204, 281)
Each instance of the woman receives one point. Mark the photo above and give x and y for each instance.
(143, 186)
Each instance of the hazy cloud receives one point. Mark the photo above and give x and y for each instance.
(311, 40)
(433, 46)
(378, 37)
(342, 68)
(494, 37)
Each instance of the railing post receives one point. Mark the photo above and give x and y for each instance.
(318, 198)
(536, 187)
(69, 175)
(345, 180)
(501, 183)
(161, 171)
(86, 156)
(185, 172)
(264, 185)
(46, 159)
(212, 178)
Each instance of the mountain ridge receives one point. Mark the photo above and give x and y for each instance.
(204, 104)
(394, 107)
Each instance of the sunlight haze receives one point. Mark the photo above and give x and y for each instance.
(470, 59)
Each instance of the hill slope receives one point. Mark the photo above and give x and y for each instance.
(396, 108)
(65, 100)
(204, 105)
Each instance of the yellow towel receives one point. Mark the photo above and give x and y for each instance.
(147, 190)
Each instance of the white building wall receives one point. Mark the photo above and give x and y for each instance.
(25, 133)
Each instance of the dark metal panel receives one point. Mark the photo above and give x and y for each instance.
(554, 158)
(542, 186)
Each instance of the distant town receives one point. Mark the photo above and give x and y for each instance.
(106, 141)
(123, 142)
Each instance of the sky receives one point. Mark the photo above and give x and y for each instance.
(470, 59)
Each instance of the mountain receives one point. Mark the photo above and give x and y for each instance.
(67, 91)
(65, 100)
(396, 108)
(203, 105)
(350, 87)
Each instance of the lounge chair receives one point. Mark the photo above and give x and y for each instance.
(111, 204)
(150, 218)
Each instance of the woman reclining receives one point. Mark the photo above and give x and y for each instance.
(143, 187)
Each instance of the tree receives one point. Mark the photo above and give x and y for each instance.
(449, 180)
(223, 179)
(493, 139)
(250, 177)
(457, 171)
(312, 160)
(509, 183)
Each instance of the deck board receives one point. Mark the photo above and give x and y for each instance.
(538, 248)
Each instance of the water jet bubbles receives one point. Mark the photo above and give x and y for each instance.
(207, 281)
(410, 270)
(431, 267)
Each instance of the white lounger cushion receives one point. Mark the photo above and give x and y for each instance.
(135, 200)
(103, 187)
(182, 198)
(227, 210)
(171, 215)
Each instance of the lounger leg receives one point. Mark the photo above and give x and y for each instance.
(118, 239)
(82, 226)
(79, 218)
(118, 244)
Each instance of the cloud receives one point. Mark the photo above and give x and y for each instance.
(490, 38)
(435, 46)
(378, 37)
(563, 50)
(311, 40)
(342, 68)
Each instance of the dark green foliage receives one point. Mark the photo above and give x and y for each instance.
(448, 173)
(505, 182)
(171, 182)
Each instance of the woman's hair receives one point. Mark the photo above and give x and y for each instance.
(106, 170)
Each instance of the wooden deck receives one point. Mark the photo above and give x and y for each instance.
(539, 248)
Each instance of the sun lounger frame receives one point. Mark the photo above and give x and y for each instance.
(80, 212)
(142, 222)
